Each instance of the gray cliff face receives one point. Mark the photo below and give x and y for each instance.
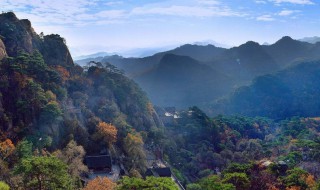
(18, 35)
(3, 52)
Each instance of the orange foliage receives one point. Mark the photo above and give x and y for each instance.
(272, 187)
(64, 73)
(100, 183)
(6, 148)
(293, 188)
(310, 181)
(107, 132)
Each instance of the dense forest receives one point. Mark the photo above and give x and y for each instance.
(238, 152)
(54, 114)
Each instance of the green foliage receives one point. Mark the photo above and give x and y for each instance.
(194, 186)
(293, 158)
(239, 180)
(238, 168)
(24, 149)
(4, 186)
(150, 183)
(50, 112)
(44, 173)
(214, 183)
(291, 92)
(296, 177)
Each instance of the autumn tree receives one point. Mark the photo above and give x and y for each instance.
(106, 132)
(100, 183)
(6, 148)
(133, 146)
(73, 156)
(64, 73)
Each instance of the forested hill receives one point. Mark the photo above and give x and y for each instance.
(180, 79)
(46, 101)
(290, 92)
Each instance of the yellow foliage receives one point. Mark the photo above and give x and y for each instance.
(107, 132)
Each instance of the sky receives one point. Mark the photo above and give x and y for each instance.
(133, 26)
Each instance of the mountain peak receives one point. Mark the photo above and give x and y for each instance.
(250, 44)
(285, 39)
(18, 35)
(9, 16)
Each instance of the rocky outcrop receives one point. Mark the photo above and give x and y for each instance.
(18, 35)
(55, 51)
(3, 52)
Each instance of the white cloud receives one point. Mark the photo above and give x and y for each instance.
(287, 12)
(260, 2)
(300, 2)
(86, 12)
(186, 11)
(265, 18)
(64, 12)
(113, 3)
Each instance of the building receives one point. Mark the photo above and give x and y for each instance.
(99, 163)
(159, 172)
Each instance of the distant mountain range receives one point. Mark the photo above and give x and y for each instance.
(311, 40)
(95, 55)
(201, 75)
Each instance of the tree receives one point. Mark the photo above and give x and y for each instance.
(163, 183)
(299, 178)
(194, 186)
(64, 73)
(214, 183)
(24, 149)
(4, 186)
(6, 148)
(44, 173)
(240, 180)
(107, 132)
(133, 146)
(100, 183)
(73, 156)
(4, 170)
(50, 112)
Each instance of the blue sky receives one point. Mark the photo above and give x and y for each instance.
(91, 26)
